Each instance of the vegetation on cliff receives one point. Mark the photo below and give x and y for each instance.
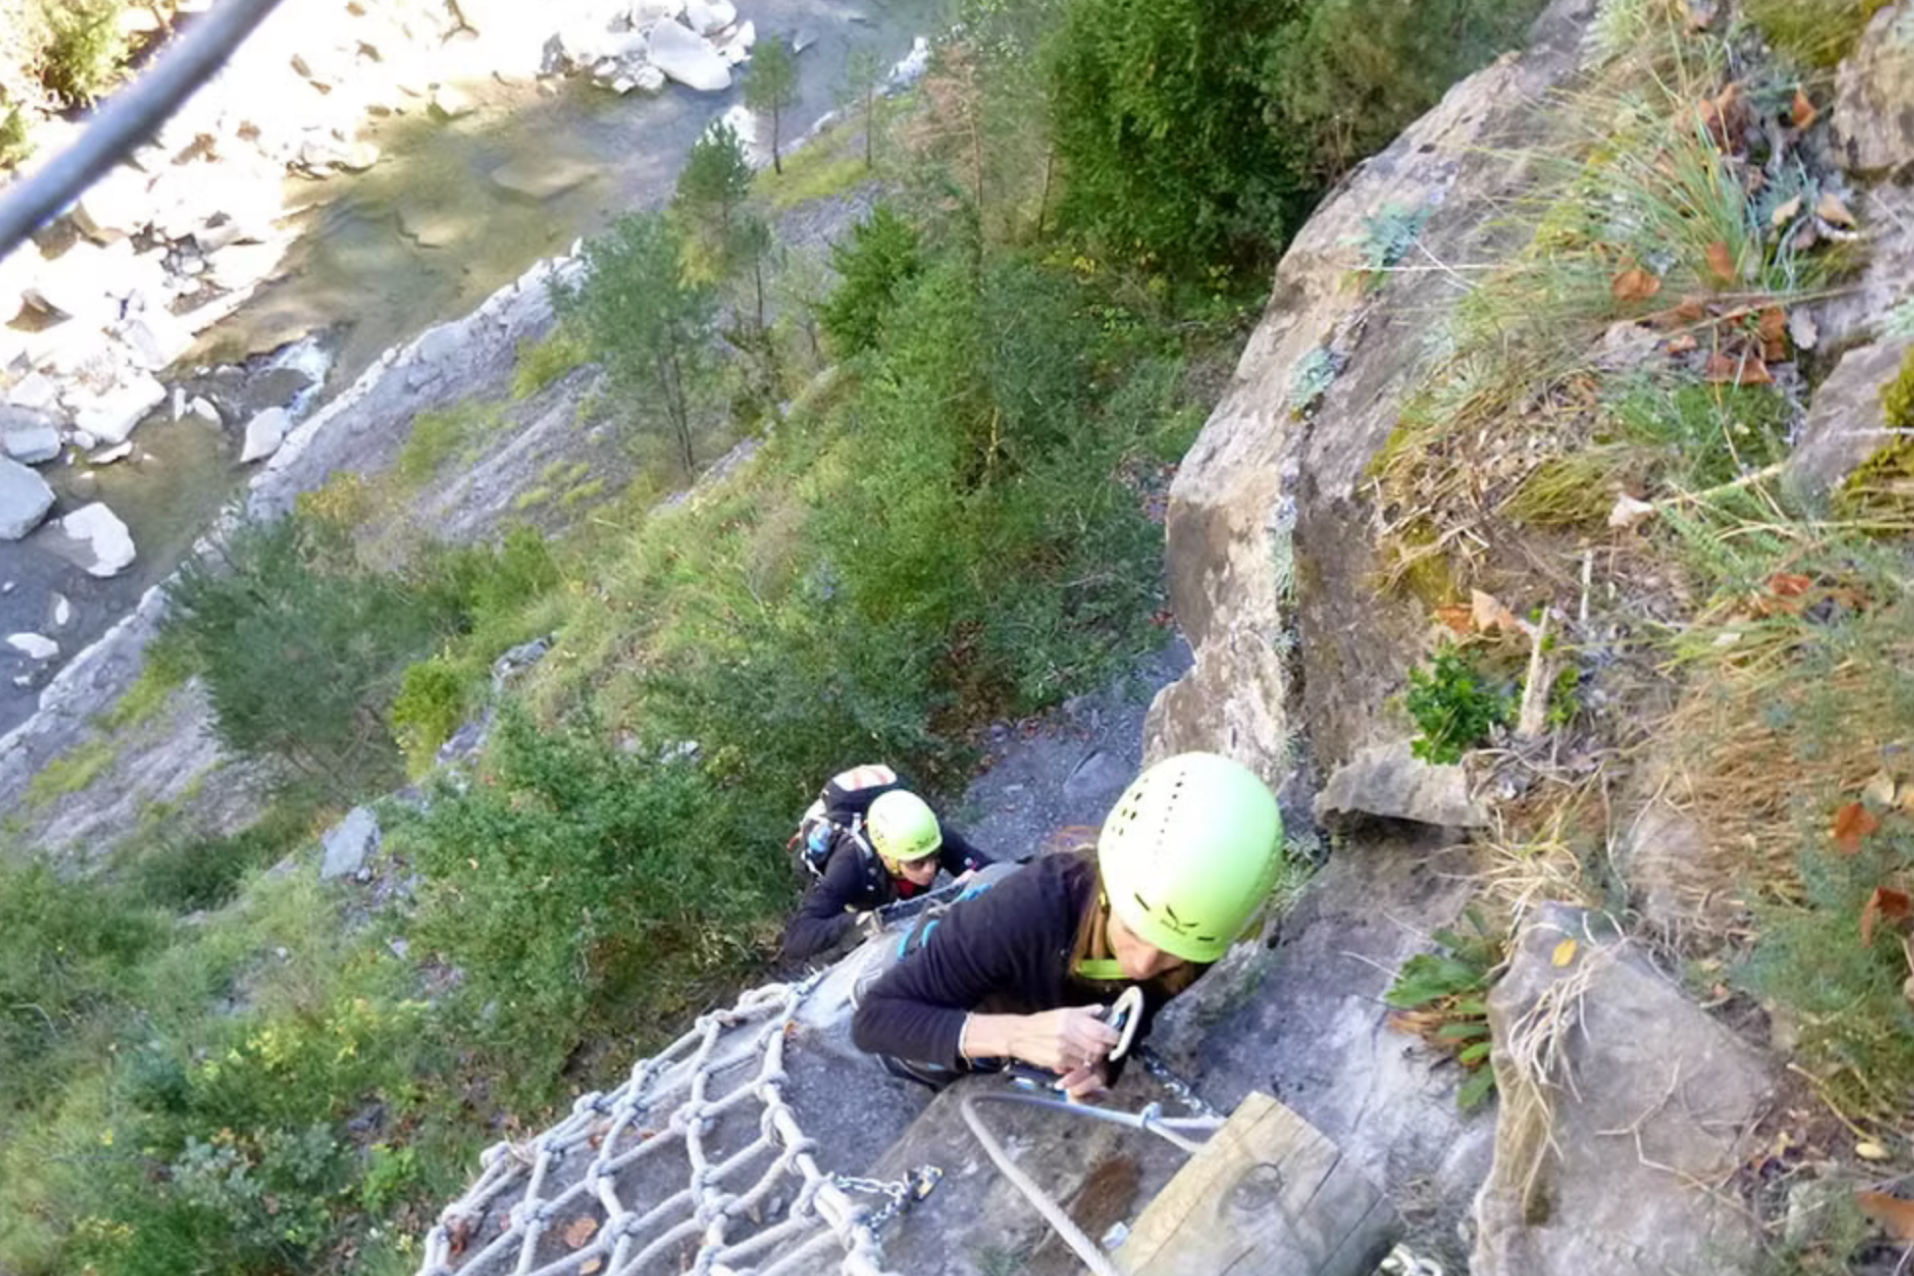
(951, 514)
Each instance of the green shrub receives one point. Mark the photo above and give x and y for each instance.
(183, 872)
(582, 888)
(540, 363)
(1707, 435)
(432, 702)
(301, 648)
(85, 49)
(16, 137)
(873, 266)
(1818, 33)
(1454, 706)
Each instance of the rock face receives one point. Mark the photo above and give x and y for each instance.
(1846, 424)
(1873, 122)
(1387, 780)
(25, 499)
(1611, 1131)
(1277, 477)
(349, 843)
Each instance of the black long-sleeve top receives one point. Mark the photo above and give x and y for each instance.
(1007, 951)
(854, 881)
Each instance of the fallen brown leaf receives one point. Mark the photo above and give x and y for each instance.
(1869, 1150)
(1802, 111)
(1681, 343)
(1885, 905)
(1805, 238)
(1891, 1212)
(1790, 584)
(1724, 369)
(1831, 210)
(1852, 823)
(1785, 212)
(1721, 262)
(1564, 953)
(1691, 309)
(1773, 327)
(1634, 284)
(1488, 613)
(1456, 617)
(1628, 511)
(1726, 117)
(458, 1235)
(579, 1231)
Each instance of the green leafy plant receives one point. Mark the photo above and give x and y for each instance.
(874, 265)
(540, 363)
(1440, 996)
(1454, 706)
(85, 49)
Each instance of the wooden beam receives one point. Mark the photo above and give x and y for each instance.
(1267, 1196)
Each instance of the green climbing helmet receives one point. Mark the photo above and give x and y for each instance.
(1188, 853)
(903, 827)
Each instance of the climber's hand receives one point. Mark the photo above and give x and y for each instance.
(1086, 1082)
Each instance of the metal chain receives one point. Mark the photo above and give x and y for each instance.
(1180, 1089)
(902, 1193)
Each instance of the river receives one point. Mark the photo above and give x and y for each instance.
(423, 236)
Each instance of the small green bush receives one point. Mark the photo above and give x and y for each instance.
(184, 872)
(432, 702)
(874, 266)
(540, 363)
(1817, 33)
(16, 137)
(1445, 993)
(1454, 706)
(85, 50)
(1706, 435)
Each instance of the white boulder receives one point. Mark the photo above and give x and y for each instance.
(97, 540)
(25, 499)
(106, 456)
(35, 390)
(264, 434)
(27, 436)
(238, 266)
(157, 339)
(62, 611)
(34, 646)
(688, 59)
(708, 17)
(451, 102)
(111, 417)
(80, 282)
(735, 48)
(648, 80)
(116, 206)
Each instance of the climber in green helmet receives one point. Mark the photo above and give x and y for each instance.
(1024, 971)
(868, 841)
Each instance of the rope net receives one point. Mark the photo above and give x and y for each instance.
(695, 1164)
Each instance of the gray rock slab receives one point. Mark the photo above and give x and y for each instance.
(119, 204)
(1301, 1018)
(1846, 423)
(1873, 121)
(27, 436)
(25, 499)
(1389, 781)
(686, 57)
(541, 177)
(1604, 1165)
(349, 843)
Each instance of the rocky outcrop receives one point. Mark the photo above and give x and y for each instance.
(1624, 1111)
(1846, 421)
(1271, 555)
(25, 499)
(1874, 98)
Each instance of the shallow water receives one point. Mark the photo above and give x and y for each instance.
(422, 237)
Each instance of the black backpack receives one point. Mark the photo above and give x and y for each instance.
(840, 809)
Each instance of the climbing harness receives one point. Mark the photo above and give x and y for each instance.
(696, 1163)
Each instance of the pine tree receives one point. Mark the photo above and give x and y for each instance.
(772, 87)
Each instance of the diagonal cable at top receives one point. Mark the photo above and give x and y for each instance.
(133, 115)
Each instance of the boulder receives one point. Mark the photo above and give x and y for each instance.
(80, 282)
(59, 611)
(25, 499)
(685, 57)
(118, 205)
(1389, 781)
(1622, 1103)
(264, 434)
(541, 177)
(708, 17)
(36, 391)
(648, 80)
(451, 103)
(348, 844)
(736, 47)
(34, 646)
(111, 417)
(93, 538)
(157, 338)
(27, 436)
(107, 456)
(1872, 124)
(1846, 424)
(239, 266)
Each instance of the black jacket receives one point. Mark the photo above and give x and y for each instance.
(1007, 951)
(855, 880)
